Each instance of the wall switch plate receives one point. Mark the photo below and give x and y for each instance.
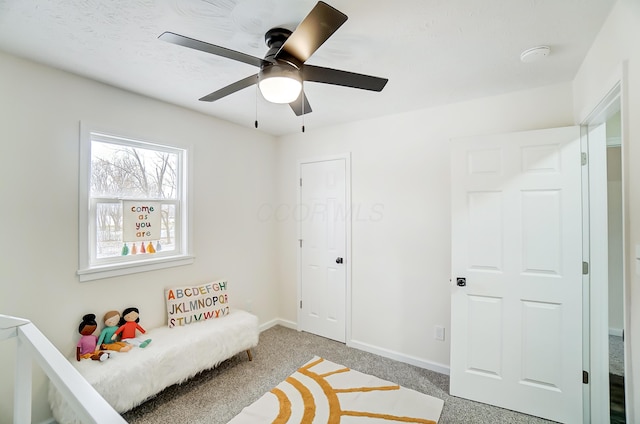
(438, 333)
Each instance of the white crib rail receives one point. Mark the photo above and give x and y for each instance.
(32, 344)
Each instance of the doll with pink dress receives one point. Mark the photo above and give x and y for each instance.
(88, 343)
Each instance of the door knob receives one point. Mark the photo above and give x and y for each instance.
(461, 281)
(338, 260)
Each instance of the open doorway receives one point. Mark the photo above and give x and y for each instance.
(616, 270)
(604, 252)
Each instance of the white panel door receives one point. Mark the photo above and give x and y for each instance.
(516, 326)
(323, 213)
(598, 273)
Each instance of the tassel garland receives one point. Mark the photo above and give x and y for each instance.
(149, 248)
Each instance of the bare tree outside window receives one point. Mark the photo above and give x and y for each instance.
(126, 172)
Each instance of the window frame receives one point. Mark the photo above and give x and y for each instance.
(92, 268)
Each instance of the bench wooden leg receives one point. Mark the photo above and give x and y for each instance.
(249, 354)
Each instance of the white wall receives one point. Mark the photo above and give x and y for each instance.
(401, 256)
(40, 110)
(617, 43)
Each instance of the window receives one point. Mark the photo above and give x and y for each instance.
(128, 184)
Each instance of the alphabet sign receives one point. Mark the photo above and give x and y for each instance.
(187, 305)
(140, 220)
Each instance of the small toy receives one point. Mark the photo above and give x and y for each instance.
(128, 326)
(86, 348)
(111, 320)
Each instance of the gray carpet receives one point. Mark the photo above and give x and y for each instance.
(616, 355)
(216, 396)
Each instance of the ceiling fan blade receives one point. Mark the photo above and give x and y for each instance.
(181, 40)
(231, 88)
(344, 78)
(296, 106)
(313, 31)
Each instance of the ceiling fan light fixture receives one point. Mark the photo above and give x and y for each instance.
(283, 69)
(280, 84)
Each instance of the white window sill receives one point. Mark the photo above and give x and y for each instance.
(106, 271)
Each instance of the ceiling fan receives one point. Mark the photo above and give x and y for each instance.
(283, 68)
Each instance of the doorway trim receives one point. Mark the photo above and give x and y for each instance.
(298, 219)
(596, 317)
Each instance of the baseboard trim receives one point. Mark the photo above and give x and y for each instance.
(397, 356)
(278, 321)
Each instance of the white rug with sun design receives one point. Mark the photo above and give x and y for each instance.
(324, 392)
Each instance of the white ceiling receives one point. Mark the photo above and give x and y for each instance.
(434, 52)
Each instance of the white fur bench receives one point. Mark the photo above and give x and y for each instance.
(176, 354)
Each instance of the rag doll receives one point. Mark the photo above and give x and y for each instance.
(111, 320)
(86, 348)
(128, 326)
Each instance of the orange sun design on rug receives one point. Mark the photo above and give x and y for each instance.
(324, 392)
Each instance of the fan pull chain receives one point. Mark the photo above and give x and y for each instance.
(256, 122)
(302, 97)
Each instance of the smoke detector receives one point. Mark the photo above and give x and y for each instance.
(534, 54)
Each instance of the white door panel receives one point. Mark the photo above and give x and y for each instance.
(323, 214)
(516, 238)
(599, 272)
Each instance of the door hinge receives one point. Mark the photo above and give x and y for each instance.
(301, 304)
(585, 268)
(300, 182)
(583, 156)
(585, 377)
(300, 240)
